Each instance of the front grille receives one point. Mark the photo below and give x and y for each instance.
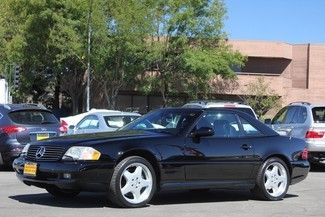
(51, 153)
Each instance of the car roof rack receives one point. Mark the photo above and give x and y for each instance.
(300, 102)
(205, 102)
(23, 105)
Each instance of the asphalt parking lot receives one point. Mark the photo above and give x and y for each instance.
(304, 199)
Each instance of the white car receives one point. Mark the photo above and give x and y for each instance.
(221, 104)
(97, 120)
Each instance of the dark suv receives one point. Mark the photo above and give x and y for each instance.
(21, 124)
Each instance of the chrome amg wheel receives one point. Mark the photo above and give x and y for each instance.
(272, 180)
(275, 179)
(136, 183)
(133, 182)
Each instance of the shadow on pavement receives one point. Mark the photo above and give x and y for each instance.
(198, 196)
(98, 200)
(84, 200)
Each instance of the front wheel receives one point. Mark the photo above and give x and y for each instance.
(272, 180)
(133, 182)
(62, 193)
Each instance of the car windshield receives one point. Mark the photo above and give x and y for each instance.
(33, 117)
(119, 121)
(171, 121)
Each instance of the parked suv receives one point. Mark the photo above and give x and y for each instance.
(306, 121)
(21, 124)
(221, 104)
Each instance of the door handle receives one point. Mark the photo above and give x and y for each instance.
(246, 146)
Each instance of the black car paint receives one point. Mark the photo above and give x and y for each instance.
(180, 161)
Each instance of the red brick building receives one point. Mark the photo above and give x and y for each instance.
(294, 71)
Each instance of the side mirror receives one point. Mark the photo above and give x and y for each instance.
(267, 121)
(71, 127)
(203, 131)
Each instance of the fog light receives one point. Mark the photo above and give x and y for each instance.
(66, 175)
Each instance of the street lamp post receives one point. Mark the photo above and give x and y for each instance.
(88, 56)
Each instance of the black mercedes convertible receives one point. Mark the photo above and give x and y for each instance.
(175, 148)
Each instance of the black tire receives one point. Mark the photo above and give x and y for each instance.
(314, 165)
(6, 167)
(260, 190)
(115, 193)
(62, 193)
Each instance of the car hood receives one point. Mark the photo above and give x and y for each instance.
(104, 136)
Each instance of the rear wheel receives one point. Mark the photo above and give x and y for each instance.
(62, 193)
(272, 180)
(133, 182)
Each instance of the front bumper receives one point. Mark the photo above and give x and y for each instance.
(299, 171)
(84, 176)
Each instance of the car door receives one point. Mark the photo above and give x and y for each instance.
(283, 120)
(227, 155)
(88, 124)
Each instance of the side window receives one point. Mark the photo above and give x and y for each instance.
(94, 123)
(319, 114)
(300, 115)
(89, 122)
(289, 119)
(279, 117)
(249, 129)
(225, 124)
(285, 115)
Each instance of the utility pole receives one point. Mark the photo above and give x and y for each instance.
(88, 56)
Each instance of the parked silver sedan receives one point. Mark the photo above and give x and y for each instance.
(102, 121)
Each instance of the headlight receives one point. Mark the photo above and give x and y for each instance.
(81, 153)
(25, 150)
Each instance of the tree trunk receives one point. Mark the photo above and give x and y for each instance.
(164, 93)
(165, 98)
(111, 97)
(75, 104)
(56, 102)
(108, 96)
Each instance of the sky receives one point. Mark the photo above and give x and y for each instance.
(291, 21)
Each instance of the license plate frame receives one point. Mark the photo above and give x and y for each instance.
(30, 169)
(42, 136)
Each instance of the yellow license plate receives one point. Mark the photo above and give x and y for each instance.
(41, 136)
(30, 169)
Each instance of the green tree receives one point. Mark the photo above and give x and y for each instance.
(119, 45)
(47, 38)
(188, 48)
(261, 97)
